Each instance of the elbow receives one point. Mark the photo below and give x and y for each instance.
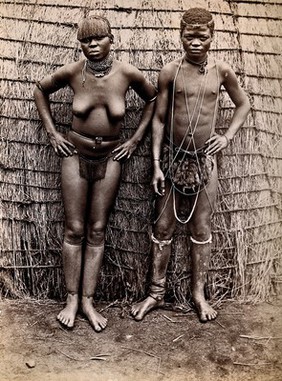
(247, 107)
(37, 92)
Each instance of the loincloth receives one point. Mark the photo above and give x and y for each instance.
(94, 153)
(189, 171)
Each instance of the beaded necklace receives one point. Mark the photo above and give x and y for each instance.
(98, 68)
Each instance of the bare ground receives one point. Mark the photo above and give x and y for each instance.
(244, 343)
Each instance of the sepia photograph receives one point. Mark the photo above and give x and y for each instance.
(141, 190)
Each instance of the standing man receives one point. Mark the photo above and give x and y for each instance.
(184, 149)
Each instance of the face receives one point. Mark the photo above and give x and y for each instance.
(196, 42)
(96, 48)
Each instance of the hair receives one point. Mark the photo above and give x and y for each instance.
(94, 26)
(195, 17)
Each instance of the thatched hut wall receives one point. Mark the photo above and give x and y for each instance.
(38, 36)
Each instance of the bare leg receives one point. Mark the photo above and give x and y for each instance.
(103, 194)
(157, 291)
(92, 266)
(201, 251)
(200, 264)
(74, 191)
(72, 268)
(161, 251)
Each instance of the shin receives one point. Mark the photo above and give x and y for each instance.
(93, 258)
(72, 257)
(161, 252)
(201, 251)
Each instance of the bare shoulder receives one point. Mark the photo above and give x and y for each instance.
(169, 70)
(225, 70)
(69, 70)
(129, 70)
(61, 77)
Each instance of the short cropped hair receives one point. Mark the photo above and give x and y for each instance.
(94, 25)
(195, 17)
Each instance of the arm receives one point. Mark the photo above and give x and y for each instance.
(158, 127)
(242, 108)
(148, 93)
(43, 89)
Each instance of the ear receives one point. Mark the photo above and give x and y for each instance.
(111, 38)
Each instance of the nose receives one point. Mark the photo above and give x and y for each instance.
(93, 41)
(196, 42)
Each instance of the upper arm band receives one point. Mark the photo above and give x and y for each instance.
(152, 99)
(40, 87)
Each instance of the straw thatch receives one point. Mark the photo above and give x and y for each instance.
(36, 37)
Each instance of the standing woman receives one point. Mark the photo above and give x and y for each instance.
(91, 154)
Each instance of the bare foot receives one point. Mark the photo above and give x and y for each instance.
(139, 310)
(97, 321)
(68, 314)
(205, 311)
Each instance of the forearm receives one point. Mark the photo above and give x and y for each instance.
(144, 122)
(157, 140)
(43, 107)
(238, 119)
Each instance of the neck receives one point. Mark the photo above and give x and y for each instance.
(202, 63)
(102, 67)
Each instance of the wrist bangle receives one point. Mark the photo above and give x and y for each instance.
(156, 159)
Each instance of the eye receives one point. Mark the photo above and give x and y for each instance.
(99, 38)
(86, 40)
(189, 38)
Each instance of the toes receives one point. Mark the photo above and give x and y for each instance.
(203, 318)
(103, 324)
(138, 317)
(97, 328)
(214, 315)
(99, 325)
(207, 316)
(70, 324)
(133, 312)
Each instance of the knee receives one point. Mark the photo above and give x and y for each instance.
(201, 232)
(96, 234)
(74, 232)
(163, 231)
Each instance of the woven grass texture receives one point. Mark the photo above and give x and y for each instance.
(37, 37)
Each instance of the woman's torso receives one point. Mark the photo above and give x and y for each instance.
(99, 103)
(98, 109)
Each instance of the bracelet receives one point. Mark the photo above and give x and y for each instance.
(156, 159)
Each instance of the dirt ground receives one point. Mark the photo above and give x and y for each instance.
(244, 343)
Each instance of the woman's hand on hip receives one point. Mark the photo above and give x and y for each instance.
(125, 150)
(62, 146)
